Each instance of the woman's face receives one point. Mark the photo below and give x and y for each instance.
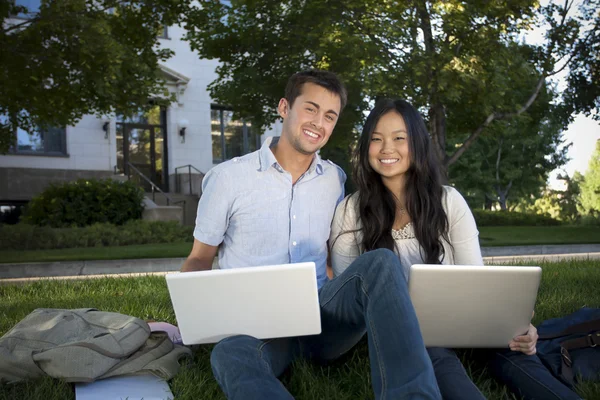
(389, 153)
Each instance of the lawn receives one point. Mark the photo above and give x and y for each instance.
(532, 235)
(565, 287)
(158, 250)
(489, 236)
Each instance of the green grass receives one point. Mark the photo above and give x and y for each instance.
(489, 236)
(159, 250)
(532, 235)
(565, 287)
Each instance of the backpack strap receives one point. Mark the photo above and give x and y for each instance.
(584, 327)
(592, 339)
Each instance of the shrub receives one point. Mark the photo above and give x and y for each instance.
(86, 202)
(589, 220)
(506, 218)
(32, 237)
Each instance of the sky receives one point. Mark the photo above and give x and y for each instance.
(583, 132)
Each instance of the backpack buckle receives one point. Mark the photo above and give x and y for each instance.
(565, 356)
(594, 340)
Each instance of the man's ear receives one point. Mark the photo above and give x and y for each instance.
(283, 108)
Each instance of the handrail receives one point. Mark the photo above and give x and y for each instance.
(189, 167)
(155, 187)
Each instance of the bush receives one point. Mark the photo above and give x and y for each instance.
(589, 220)
(506, 218)
(86, 202)
(32, 237)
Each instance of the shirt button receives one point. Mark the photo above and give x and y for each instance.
(294, 216)
(294, 243)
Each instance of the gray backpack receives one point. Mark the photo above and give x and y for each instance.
(84, 345)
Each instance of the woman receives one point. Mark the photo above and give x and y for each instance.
(402, 205)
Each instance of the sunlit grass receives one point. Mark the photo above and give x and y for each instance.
(565, 287)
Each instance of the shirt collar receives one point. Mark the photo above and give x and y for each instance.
(267, 158)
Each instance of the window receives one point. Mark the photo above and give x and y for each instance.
(164, 34)
(50, 141)
(10, 212)
(231, 138)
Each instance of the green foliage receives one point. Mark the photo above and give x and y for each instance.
(590, 220)
(461, 63)
(506, 218)
(77, 57)
(559, 204)
(590, 187)
(86, 202)
(31, 237)
(513, 159)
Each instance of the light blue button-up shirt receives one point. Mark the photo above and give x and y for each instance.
(252, 211)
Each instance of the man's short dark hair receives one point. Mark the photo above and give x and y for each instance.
(325, 79)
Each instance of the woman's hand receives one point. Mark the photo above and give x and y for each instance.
(525, 343)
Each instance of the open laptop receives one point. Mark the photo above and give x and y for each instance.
(265, 302)
(473, 306)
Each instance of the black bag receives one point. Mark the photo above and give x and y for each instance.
(570, 346)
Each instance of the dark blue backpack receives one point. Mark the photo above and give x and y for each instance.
(570, 346)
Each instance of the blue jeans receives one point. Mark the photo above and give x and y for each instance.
(371, 296)
(451, 376)
(528, 377)
(524, 375)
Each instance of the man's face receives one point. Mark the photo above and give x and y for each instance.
(308, 124)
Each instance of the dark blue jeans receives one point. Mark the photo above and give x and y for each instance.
(371, 296)
(524, 375)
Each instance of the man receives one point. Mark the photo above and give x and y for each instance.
(275, 206)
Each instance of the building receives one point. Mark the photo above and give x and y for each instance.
(166, 150)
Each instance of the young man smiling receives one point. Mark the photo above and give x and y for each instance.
(275, 206)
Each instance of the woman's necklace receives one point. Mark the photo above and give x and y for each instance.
(405, 232)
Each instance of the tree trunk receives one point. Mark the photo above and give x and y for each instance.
(437, 113)
(489, 202)
(503, 194)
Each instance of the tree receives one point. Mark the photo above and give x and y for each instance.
(513, 158)
(460, 62)
(77, 57)
(559, 204)
(590, 187)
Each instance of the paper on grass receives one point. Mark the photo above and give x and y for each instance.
(138, 387)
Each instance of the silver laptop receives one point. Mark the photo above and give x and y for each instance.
(265, 302)
(473, 306)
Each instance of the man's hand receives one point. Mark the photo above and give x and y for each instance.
(525, 343)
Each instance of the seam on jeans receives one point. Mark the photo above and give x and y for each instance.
(348, 279)
(531, 377)
(260, 354)
(376, 345)
(374, 337)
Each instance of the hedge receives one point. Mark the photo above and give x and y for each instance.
(512, 218)
(85, 202)
(31, 237)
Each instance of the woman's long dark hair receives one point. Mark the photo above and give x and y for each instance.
(423, 192)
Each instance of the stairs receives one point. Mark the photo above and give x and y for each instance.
(158, 209)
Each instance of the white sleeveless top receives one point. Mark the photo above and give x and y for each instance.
(462, 233)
